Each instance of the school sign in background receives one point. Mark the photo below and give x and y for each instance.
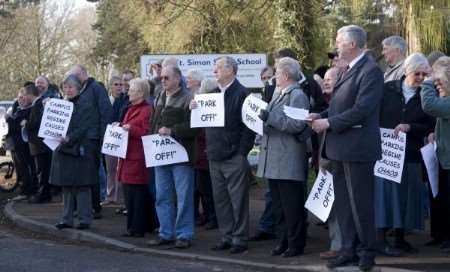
(249, 66)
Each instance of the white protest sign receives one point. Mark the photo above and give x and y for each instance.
(210, 111)
(56, 118)
(321, 197)
(115, 142)
(163, 150)
(296, 113)
(51, 143)
(250, 66)
(432, 165)
(250, 111)
(393, 155)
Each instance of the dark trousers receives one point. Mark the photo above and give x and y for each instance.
(440, 208)
(141, 217)
(42, 164)
(25, 172)
(354, 206)
(95, 190)
(288, 199)
(203, 184)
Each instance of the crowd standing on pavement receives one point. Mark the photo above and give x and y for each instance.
(349, 101)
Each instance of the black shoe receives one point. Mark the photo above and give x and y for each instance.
(211, 225)
(182, 244)
(159, 242)
(97, 215)
(237, 249)
(132, 234)
(39, 199)
(83, 226)
(292, 252)
(278, 250)
(406, 247)
(434, 242)
(366, 264)
(221, 246)
(342, 260)
(63, 226)
(389, 251)
(263, 236)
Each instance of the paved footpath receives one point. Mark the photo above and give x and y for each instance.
(108, 230)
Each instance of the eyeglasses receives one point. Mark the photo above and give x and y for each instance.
(424, 74)
(265, 78)
(165, 78)
(117, 84)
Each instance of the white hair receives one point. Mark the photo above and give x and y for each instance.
(208, 85)
(441, 70)
(291, 67)
(170, 61)
(195, 74)
(395, 42)
(414, 62)
(354, 33)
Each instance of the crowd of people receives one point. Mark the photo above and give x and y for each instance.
(349, 101)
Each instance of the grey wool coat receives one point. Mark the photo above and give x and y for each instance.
(282, 155)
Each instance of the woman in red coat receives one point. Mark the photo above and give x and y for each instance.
(132, 171)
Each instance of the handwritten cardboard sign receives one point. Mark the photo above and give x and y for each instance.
(390, 166)
(250, 111)
(115, 142)
(321, 197)
(163, 150)
(210, 111)
(56, 118)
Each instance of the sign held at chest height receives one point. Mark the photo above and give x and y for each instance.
(56, 118)
(250, 110)
(393, 155)
(210, 111)
(163, 150)
(115, 142)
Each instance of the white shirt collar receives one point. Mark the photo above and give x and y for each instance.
(355, 60)
(224, 88)
(303, 78)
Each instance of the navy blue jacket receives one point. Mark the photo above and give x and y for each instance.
(95, 96)
(234, 138)
(354, 133)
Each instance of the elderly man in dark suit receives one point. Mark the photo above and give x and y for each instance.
(353, 144)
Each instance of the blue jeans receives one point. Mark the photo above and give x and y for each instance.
(102, 181)
(175, 183)
(266, 220)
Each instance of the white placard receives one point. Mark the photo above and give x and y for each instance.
(210, 111)
(56, 118)
(393, 155)
(249, 66)
(321, 197)
(296, 113)
(250, 111)
(432, 165)
(115, 142)
(163, 150)
(51, 143)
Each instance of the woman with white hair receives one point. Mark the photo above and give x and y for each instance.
(193, 80)
(401, 206)
(436, 102)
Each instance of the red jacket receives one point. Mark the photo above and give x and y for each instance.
(132, 170)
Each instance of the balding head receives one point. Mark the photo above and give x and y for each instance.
(79, 71)
(42, 83)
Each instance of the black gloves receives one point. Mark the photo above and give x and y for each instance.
(263, 115)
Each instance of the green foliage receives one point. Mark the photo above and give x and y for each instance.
(118, 41)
